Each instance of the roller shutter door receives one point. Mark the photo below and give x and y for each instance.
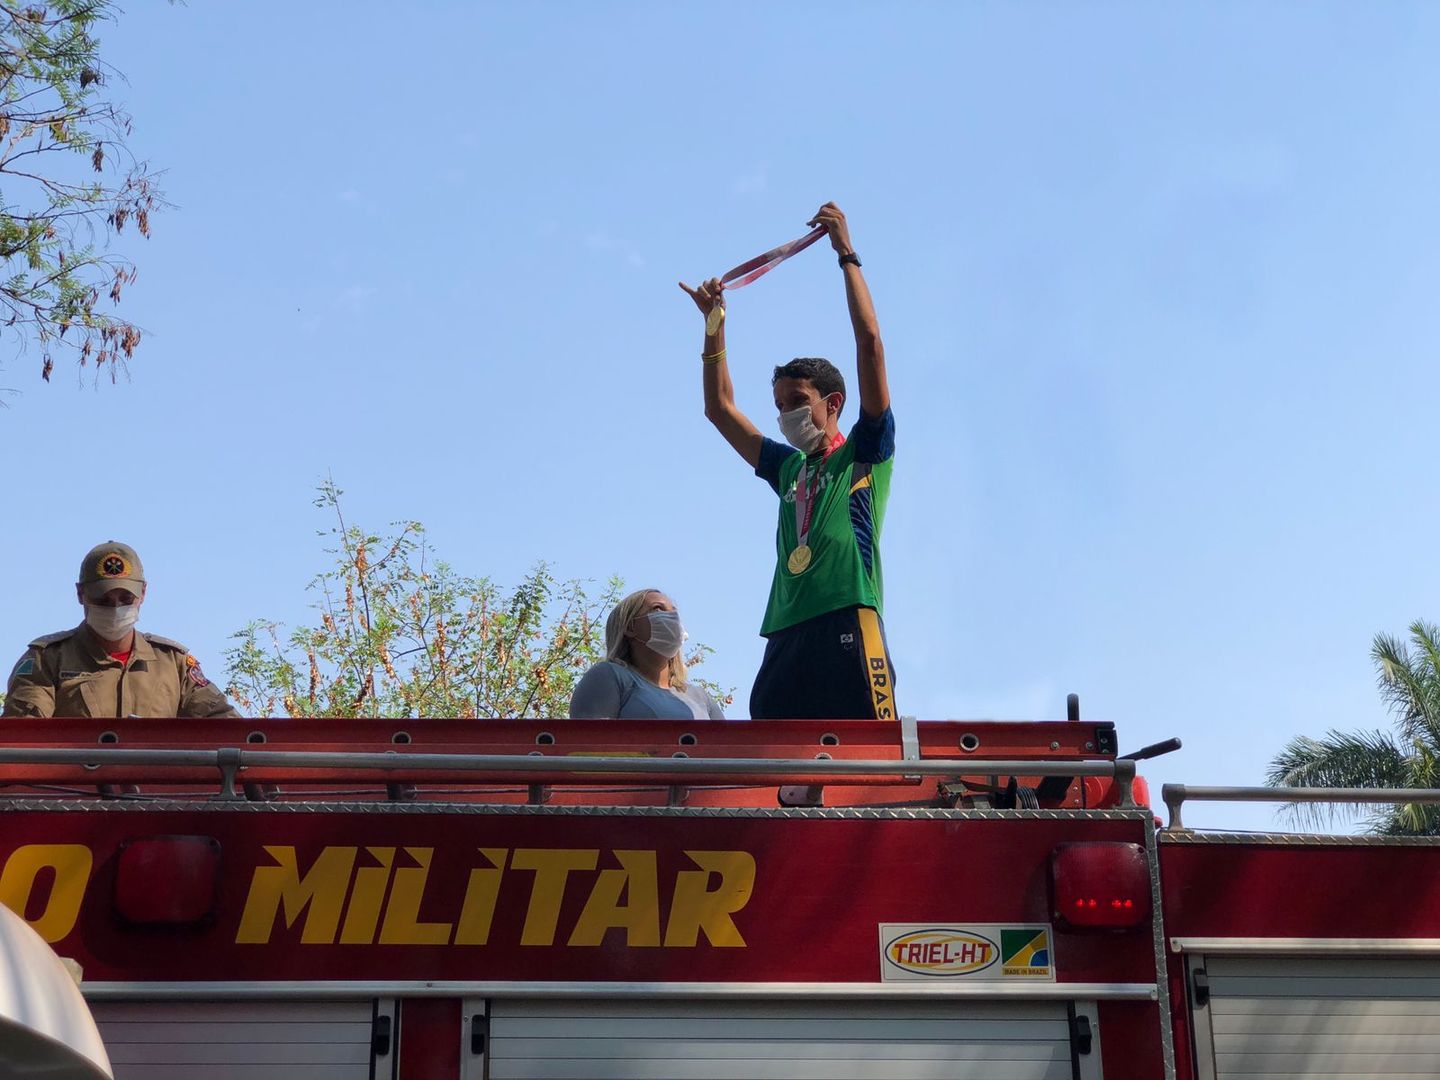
(1331, 1018)
(775, 1040)
(324, 1040)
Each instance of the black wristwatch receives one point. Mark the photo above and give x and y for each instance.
(851, 258)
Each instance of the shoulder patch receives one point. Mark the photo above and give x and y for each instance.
(192, 669)
(165, 643)
(51, 639)
(26, 666)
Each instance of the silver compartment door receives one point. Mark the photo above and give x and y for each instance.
(661, 1039)
(1331, 1018)
(240, 1040)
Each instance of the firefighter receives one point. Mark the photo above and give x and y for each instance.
(825, 651)
(105, 667)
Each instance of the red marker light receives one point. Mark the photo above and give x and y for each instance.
(167, 880)
(1099, 885)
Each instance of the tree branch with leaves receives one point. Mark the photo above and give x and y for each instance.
(68, 183)
(1408, 675)
(401, 633)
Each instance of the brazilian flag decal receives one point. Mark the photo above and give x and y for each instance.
(1025, 952)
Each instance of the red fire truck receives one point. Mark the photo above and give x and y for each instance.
(302, 900)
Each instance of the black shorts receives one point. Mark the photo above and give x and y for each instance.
(835, 666)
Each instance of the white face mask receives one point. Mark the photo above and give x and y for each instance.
(799, 429)
(667, 635)
(111, 623)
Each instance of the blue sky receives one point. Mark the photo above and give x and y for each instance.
(1157, 288)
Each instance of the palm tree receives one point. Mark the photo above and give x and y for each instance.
(1409, 679)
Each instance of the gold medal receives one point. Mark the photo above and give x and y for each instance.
(799, 560)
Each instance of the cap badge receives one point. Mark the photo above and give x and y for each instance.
(114, 566)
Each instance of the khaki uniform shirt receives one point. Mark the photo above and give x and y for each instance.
(71, 674)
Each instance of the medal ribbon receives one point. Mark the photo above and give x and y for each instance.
(805, 502)
(761, 265)
(805, 492)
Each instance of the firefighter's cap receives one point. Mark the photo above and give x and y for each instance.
(111, 565)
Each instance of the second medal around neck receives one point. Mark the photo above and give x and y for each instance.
(807, 494)
(799, 560)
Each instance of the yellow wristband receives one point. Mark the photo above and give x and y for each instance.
(714, 319)
(713, 358)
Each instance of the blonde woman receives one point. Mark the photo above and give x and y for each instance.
(643, 674)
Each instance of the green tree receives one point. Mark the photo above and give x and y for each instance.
(68, 182)
(402, 634)
(1409, 680)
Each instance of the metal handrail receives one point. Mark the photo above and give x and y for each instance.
(230, 761)
(1175, 796)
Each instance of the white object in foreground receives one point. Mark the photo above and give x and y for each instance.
(46, 1031)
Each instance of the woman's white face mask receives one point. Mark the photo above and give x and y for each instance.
(112, 623)
(667, 634)
(798, 427)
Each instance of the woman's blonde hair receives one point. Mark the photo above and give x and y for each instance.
(617, 645)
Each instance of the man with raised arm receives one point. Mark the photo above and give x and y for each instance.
(825, 652)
